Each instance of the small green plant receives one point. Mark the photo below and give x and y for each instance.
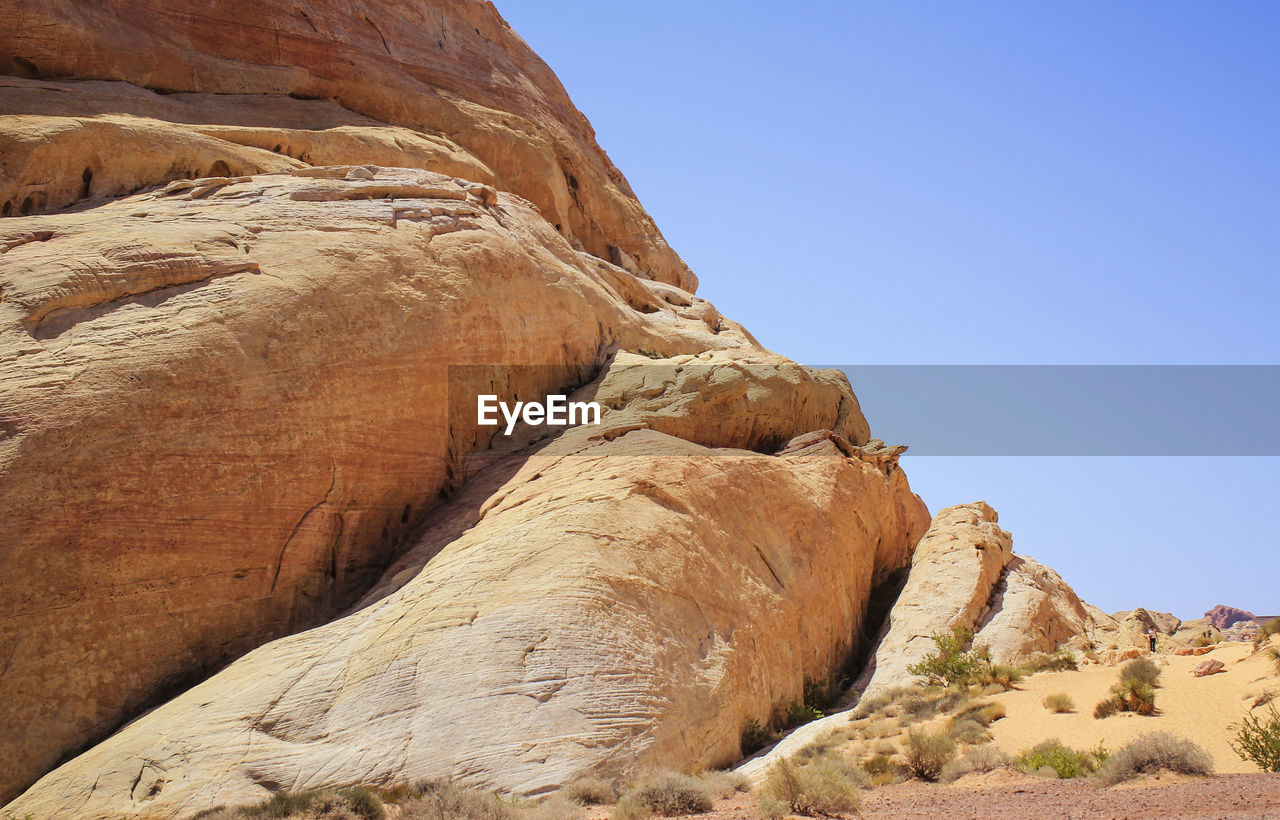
(1155, 752)
(1064, 761)
(1059, 704)
(755, 737)
(1258, 739)
(1137, 696)
(824, 787)
(926, 753)
(956, 662)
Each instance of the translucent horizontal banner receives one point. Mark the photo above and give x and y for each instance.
(1124, 410)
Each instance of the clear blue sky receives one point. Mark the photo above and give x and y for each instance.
(978, 183)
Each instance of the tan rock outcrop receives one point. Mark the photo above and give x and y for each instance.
(225, 401)
(626, 599)
(953, 571)
(453, 70)
(1033, 610)
(246, 273)
(965, 574)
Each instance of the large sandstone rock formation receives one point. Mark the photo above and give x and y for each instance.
(251, 279)
(627, 598)
(964, 574)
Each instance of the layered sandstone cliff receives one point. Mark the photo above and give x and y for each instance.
(251, 277)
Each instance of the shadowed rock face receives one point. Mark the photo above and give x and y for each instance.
(242, 274)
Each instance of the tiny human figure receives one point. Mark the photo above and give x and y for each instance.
(1151, 637)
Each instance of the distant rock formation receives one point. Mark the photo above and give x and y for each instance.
(1224, 617)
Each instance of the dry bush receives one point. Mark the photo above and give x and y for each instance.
(554, 807)
(822, 788)
(993, 712)
(1059, 703)
(1060, 660)
(884, 747)
(1274, 654)
(670, 794)
(1108, 706)
(1143, 669)
(630, 809)
(926, 753)
(975, 760)
(725, 783)
(591, 791)
(355, 803)
(1156, 752)
(869, 707)
(442, 800)
(884, 727)
(968, 731)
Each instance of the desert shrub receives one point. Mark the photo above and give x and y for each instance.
(772, 809)
(629, 808)
(725, 783)
(968, 731)
(1059, 703)
(993, 712)
(282, 804)
(956, 662)
(1001, 675)
(442, 800)
(821, 788)
(755, 737)
(1108, 706)
(1265, 632)
(1201, 640)
(1274, 654)
(1143, 669)
(1154, 752)
(1258, 739)
(363, 802)
(926, 753)
(878, 764)
(1060, 660)
(553, 807)
(884, 727)
(799, 713)
(975, 760)
(591, 791)
(670, 794)
(1063, 761)
(1137, 696)
(868, 707)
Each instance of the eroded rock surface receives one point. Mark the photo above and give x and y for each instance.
(245, 274)
(453, 70)
(627, 598)
(964, 574)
